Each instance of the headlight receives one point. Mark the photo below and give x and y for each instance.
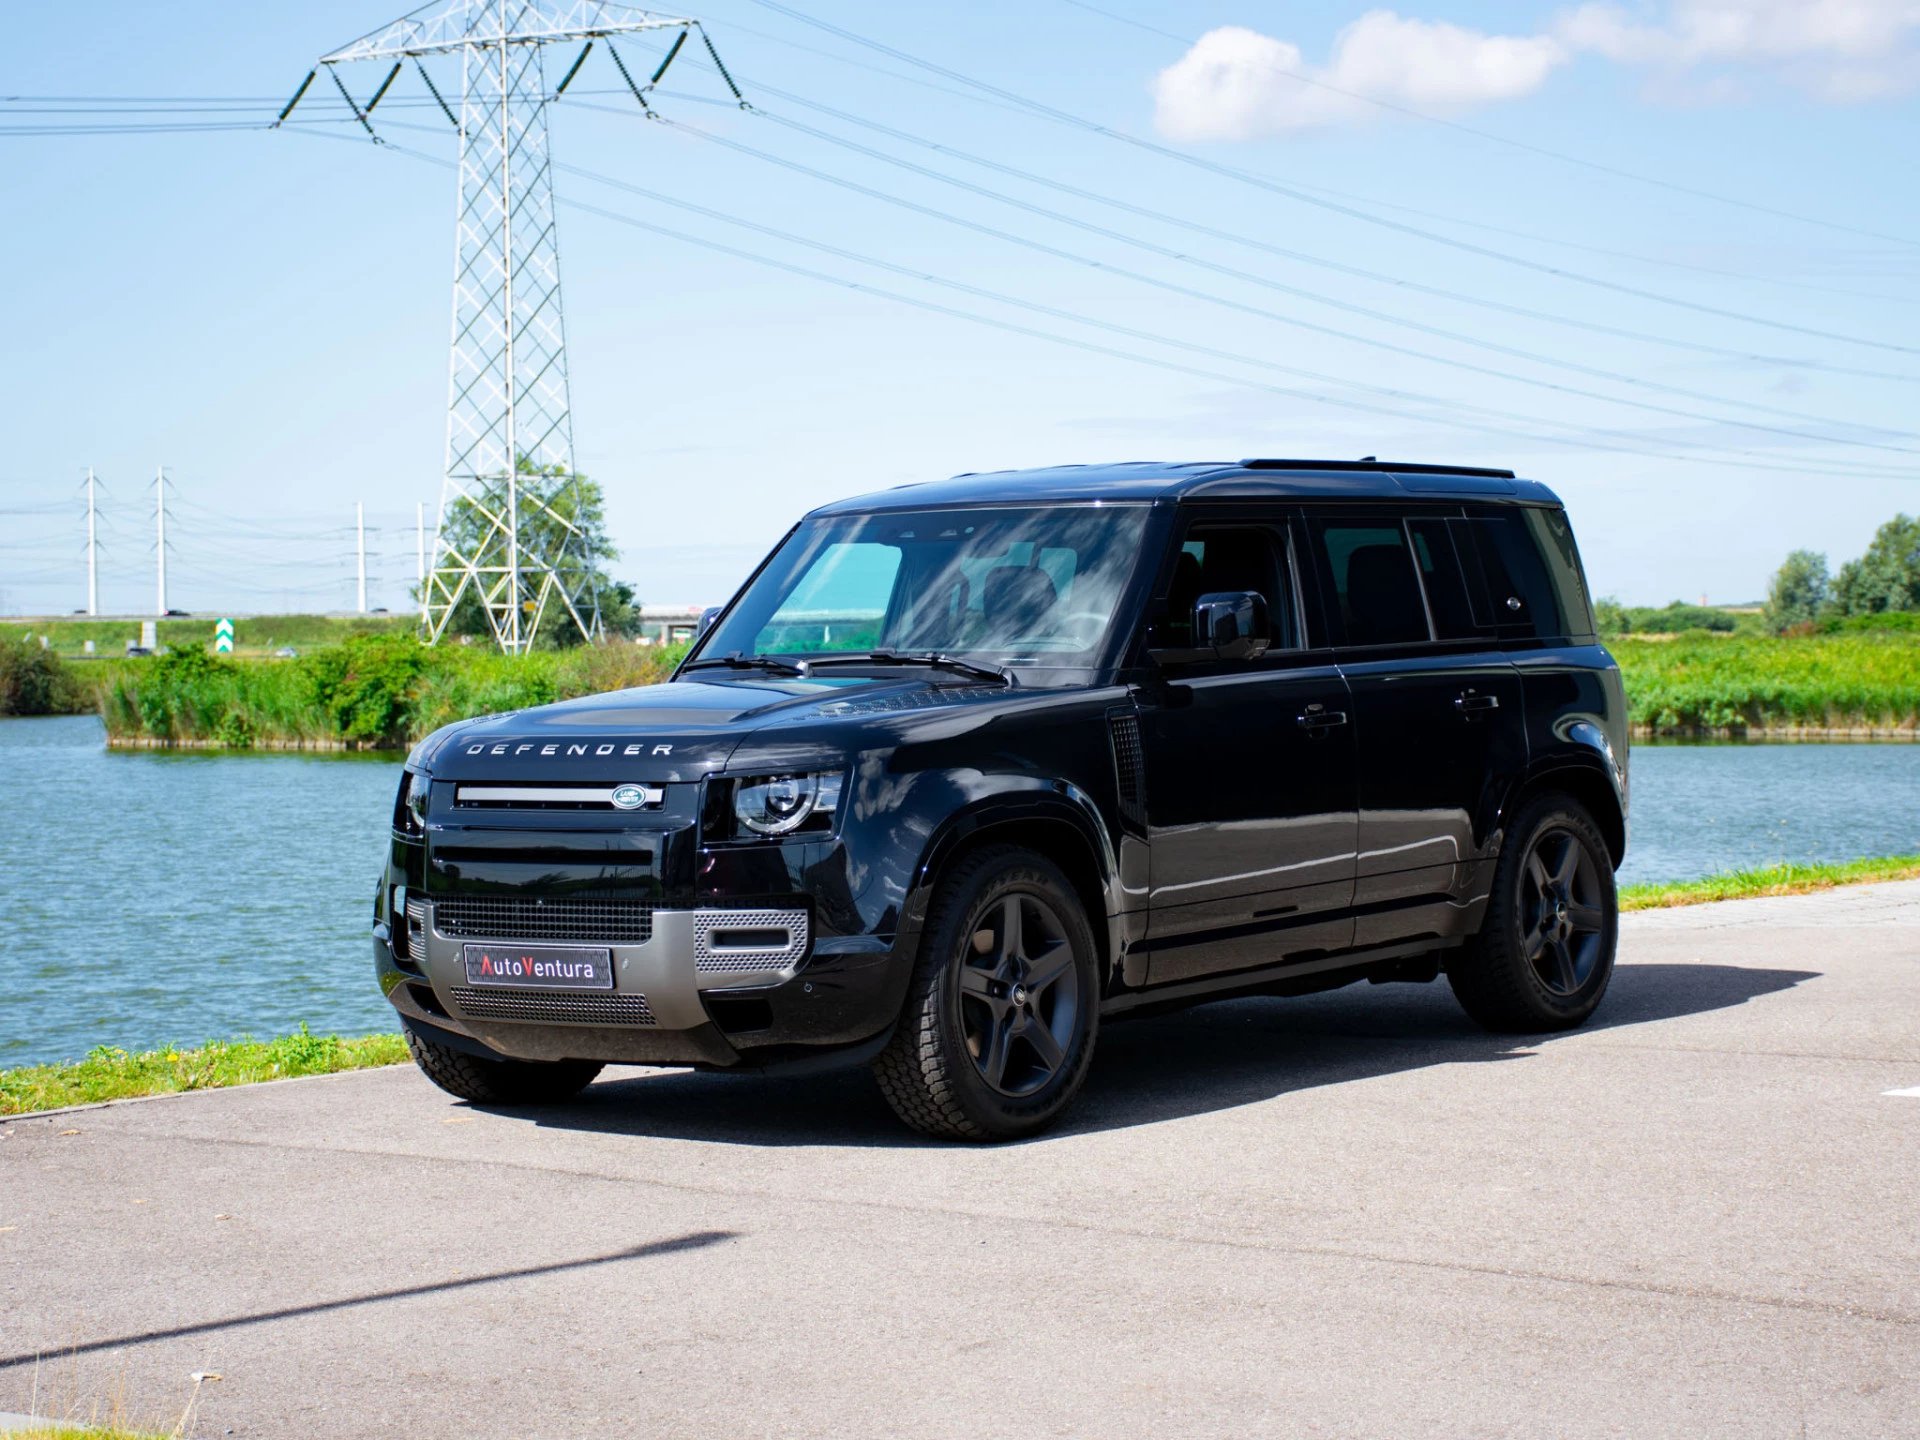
(410, 805)
(786, 804)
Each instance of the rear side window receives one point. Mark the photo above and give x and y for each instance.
(1520, 596)
(1375, 584)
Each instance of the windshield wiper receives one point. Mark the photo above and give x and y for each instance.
(737, 661)
(931, 660)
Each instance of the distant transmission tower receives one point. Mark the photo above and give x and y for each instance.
(507, 533)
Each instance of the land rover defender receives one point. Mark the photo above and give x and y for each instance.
(967, 769)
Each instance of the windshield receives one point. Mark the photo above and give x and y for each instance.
(1003, 584)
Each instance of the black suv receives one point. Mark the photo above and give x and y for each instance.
(967, 768)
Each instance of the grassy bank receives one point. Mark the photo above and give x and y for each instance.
(1770, 880)
(1713, 684)
(372, 691)
(108, 1074)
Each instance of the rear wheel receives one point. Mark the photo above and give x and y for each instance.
(499, 1082)
(1000, 1018)
(1544, 954)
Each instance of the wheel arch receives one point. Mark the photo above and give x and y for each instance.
(1586, 781)
(1063, 826)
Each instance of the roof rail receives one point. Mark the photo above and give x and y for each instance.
(1379, 466)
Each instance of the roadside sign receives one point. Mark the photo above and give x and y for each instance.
(223, 637)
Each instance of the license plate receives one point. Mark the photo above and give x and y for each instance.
(540, 967)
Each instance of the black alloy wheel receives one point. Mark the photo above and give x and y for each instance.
(1566, 919)
(1002, 1011)
(1544, 953)
(1019, 995)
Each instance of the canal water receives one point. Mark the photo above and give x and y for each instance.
(154, 898)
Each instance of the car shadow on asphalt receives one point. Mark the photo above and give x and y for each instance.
(1193, 1062)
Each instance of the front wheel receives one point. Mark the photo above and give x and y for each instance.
(1544, 955)
(1001, 1015)
(500, 1082)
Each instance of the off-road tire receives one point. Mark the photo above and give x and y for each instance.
(1491, 975)
(927, 1073)
(504, 1083)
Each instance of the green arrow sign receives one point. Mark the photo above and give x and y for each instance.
(223, 637)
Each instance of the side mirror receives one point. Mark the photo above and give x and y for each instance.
(1232, 624)
(1227, 625)
(707, 617)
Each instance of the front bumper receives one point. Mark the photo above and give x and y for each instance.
(716, 987)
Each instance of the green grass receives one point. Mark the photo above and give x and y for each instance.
(1770, 880)
(1698, 683)
(109, 1074)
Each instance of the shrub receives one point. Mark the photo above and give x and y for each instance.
(33, 681)
(365, 684)
(1677, 618)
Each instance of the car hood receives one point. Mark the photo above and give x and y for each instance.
(682, 730)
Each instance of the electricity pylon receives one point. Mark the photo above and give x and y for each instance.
(510, 498)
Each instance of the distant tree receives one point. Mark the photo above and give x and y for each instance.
(619, 609)
(1611, 616)
(1887, 577)
(1800, 591)
(1676, 617)
(581, 505)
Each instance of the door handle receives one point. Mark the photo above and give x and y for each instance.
(1470, 703)
(1317, 719)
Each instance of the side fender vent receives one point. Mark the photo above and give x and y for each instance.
(1129, 766)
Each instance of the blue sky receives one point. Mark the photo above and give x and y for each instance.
(267, 312)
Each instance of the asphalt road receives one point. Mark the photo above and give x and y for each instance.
(1344, 1215)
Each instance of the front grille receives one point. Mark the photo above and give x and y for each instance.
(509, 917)
(554, 1009)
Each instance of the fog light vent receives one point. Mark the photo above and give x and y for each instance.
(748, 942)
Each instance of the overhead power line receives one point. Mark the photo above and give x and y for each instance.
(1437, 410)
(1398, 282)
(1208, 297)
(1291, 192)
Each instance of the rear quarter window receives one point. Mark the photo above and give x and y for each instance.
(1520, 597)
(1555, 538)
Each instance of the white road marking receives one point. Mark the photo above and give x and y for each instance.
(1911, 1093)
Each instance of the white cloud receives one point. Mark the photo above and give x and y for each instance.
(1236, 83)
(1752, 31)
(1838, 50)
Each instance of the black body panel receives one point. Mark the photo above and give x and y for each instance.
(1320, 811)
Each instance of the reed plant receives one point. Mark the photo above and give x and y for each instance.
(384, 690)
(1712, 684)
(372, 691)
